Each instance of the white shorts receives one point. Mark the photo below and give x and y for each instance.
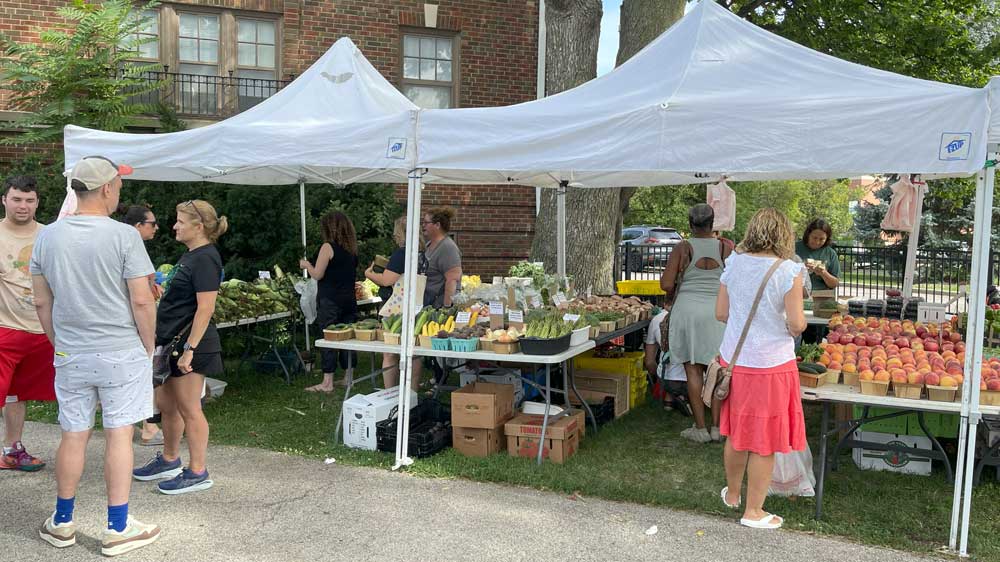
(121, 380)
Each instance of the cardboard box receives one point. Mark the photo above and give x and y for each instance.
(529, 425)
(615, 384)
(892, 461)
(467, 376)
(482, 405)
(478, 442)
(363, 411)
(562, 437)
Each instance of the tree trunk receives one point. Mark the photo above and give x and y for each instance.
(641, 22)
(573, 28)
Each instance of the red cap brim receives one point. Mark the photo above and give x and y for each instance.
(124, 170)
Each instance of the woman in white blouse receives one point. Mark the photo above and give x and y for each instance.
(763, 413)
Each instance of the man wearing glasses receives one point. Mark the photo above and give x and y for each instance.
(95, 305)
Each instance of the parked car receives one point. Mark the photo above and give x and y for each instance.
(648, 246)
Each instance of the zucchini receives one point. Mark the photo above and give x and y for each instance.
(807, 368)
(813, 368)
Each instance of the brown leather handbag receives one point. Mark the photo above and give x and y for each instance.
(719, 378)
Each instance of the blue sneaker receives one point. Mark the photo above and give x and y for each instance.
(185, 482)
(157, 469)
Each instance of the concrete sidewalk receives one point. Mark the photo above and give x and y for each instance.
(272, 507)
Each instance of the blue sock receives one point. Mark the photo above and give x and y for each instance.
(64, 510)
(117, 517)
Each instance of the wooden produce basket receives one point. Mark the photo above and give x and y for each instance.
(608, 326)
(832, 376)
(338, 335)
(810, 380)
(874, 388)
(989, 397)
(911, 391)
(942, 393)
(425, 341)
(851, 379)
(506, 348)
(621, 323)
(391, 339)
(365, 335)
(486, 345)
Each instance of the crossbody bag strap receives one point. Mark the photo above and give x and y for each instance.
(753, 309)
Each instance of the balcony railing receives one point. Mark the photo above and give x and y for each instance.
(213, 97)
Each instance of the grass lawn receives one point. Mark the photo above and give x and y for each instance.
(638, 458)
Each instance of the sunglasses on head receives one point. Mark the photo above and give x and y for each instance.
(191, 203)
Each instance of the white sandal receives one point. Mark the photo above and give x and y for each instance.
(724, 493)
(769, 521)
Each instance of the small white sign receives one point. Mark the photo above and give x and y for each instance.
(264, 274)
(463, 317)
(571, 317)
(536, 301)
(497, 280)
(559, 299)
(496, 308)
(515, 316)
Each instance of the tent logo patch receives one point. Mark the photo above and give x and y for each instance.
(955, 146)
(396, 148)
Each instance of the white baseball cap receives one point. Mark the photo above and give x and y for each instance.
(91, 172)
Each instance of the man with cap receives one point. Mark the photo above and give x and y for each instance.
(95, 305)
(26, 371)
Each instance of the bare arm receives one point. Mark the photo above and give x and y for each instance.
(43, 305)
(384, 279)
(722, 304)
(322, 261)
(828, 278)
(144, 311)
(649, 359)
(452, 278)
(669, 277)
(794, 314)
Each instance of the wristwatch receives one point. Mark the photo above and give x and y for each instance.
(189, 347)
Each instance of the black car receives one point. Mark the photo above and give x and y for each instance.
(648, 246)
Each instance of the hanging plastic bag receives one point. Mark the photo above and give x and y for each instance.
(902, 211)
(307, 302)
(793, 474)
(722, 199)
(69, 202)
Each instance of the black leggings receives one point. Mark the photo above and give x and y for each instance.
(335, 311)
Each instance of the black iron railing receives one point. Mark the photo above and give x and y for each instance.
(641, 261)
(208, 96)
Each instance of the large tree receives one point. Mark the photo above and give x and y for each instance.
(593, 216)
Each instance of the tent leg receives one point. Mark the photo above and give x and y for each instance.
(561, 230)
(911, 247)
(410, 307)
(974, 340)
(302, 219)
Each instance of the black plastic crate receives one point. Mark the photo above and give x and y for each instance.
(430, 429)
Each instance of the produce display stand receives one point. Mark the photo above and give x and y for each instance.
(249, 336)
(828, 395)
(606, 337)
(564, 359)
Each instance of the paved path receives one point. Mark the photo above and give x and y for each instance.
(268, 506)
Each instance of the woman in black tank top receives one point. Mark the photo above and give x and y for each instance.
(334, 272)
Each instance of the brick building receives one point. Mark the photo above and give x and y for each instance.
(223, 56)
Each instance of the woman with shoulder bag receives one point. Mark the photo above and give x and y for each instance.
(691, 281)
(185, 330)
(761, 303)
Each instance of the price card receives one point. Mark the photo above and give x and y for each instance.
(462, 318)
(264, 274)
(497, 280)
(515, 316)
(496, 308)
(536, 302)
(496, 316)
(571, 317)
(559, 299)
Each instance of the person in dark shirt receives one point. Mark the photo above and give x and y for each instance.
(336, 302)
(185, 311)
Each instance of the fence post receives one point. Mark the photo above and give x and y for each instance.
(627, 260)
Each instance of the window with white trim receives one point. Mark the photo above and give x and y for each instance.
(430, 69)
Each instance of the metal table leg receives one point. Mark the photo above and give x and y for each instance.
(821, 476)
(347, 394)
(548, 405)
(937, 445)
(572, 385)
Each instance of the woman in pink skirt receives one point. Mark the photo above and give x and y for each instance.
(763, 413)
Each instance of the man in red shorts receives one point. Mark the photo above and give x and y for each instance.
(26, 371)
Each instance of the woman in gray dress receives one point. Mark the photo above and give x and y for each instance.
(691, 281)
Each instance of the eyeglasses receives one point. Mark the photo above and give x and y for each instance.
(428, 222)
(154, 223)
(200, 217)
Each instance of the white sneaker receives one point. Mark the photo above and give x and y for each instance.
(696, 434)
(716, 436)
(136, 535)
(59, 535)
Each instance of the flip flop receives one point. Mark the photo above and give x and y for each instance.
(769, 521)
(724, 492)
(317, 389)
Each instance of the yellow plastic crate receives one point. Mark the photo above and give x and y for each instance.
(640, 287)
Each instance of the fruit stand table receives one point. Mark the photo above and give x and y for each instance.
(828, 395)
(816, 320)
(270, 339)
(563, 359)
(606, 337)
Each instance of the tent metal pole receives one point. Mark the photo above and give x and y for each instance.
(302, 219)
(410, 307)
(911, 247)
(970, 390)
(561, 229)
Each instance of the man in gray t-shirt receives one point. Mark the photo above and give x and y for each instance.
(96, 307)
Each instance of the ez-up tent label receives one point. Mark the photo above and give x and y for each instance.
(955, 146)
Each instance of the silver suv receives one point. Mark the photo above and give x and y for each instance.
(648, 246)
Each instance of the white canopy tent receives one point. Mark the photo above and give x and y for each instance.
(714, 96)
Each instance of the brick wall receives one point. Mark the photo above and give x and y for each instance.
(497, 58)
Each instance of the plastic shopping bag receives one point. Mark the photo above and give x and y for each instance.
(793, 474)
(308, 289)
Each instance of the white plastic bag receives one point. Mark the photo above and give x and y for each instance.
(793, 474)
(308, 289)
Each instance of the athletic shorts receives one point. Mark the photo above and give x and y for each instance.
(121, 381)
(26, 371)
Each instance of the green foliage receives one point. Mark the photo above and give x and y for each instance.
(944, 40)
(78, 74)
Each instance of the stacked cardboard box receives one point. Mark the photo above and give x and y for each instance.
(629, 365)
(562, 436)
(478, 413)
